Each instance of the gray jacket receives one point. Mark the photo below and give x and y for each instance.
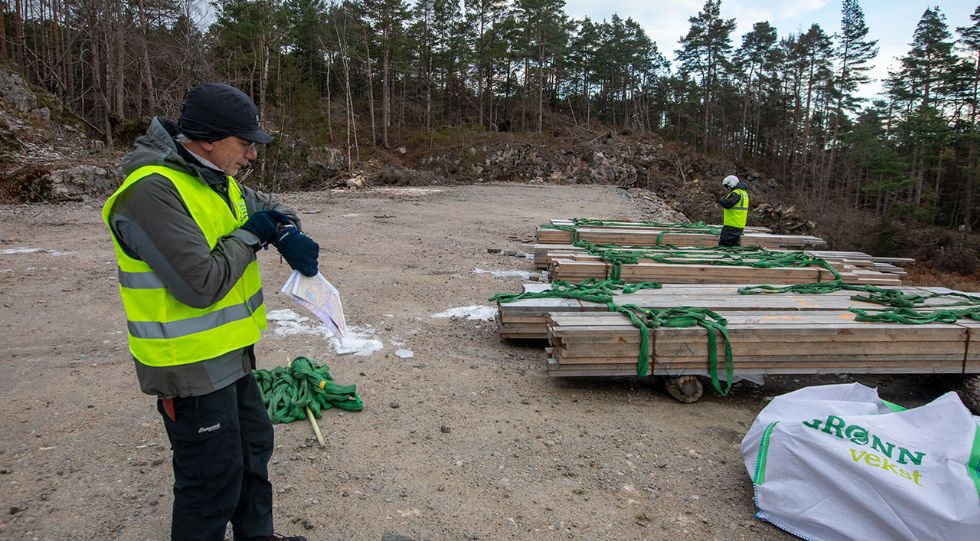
(152, 224)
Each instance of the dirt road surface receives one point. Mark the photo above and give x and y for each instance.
(466, 439)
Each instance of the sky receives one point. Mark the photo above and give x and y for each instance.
(891, 22)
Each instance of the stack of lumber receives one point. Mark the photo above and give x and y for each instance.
(544, 254)
(625, 224)
(649, 236)
(579, 267)
(556, 236)
(528, 318)
(763, 342)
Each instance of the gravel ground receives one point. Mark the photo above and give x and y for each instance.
(465, 439)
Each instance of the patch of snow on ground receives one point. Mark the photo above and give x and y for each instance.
(14, 251)
(476, 312)
(358, 341)
(404, 353)
(361, 342)
(526, 275)
(284, 315)
(289, 323)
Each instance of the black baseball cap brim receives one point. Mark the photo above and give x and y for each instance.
(256, 136)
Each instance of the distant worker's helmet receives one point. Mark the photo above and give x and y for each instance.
(730, 182)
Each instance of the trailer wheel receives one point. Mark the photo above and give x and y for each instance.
(685, 389)
(970, 393)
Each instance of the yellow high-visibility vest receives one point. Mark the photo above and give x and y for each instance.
(166, 332)
(738, 215)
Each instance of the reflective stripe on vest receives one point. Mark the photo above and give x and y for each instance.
(738, 215)
(164, 331)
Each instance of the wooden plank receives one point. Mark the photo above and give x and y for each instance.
(602, 371)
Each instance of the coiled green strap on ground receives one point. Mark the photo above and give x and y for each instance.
(288, 391)
(645, 319)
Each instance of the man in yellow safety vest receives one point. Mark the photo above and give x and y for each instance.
(736, 205)
(185, 234)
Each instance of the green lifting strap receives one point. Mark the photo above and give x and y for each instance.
(693, 227)
(645, 319)
(899, 307)
(288, 391)
(746, 256)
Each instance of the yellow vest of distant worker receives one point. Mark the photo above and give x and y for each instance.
(166, 332)
(739, 214)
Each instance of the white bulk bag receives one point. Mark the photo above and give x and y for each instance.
(836, 462)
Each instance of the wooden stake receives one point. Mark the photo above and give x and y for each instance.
(309, 415)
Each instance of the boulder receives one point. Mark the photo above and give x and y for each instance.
(75, 183)
(15, 91)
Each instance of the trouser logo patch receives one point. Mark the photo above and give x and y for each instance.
(211, 428)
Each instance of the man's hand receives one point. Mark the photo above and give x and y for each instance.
(264, 224)
(299, 250)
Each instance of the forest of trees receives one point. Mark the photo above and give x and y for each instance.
(376, 70)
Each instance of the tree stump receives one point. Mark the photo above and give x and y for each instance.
(685, 389)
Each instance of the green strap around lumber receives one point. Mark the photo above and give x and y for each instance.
(288, 391)
(694, 227)
(900, 306)
(743, 256)
(645, 319)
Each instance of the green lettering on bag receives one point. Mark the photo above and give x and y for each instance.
(859, 435)
(916, 457)
(879, 462)
(878, 445)
(836, 424)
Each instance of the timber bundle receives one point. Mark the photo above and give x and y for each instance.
(699, 310)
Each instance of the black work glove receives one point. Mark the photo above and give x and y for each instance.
(264, 224)
(299, 250)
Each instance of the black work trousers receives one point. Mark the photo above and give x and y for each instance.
(222, 443)
(730, 236)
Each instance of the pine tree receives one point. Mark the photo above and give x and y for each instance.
(704, 52)
(484, 17)
(924, 82)
(970, 40)
(756, 59)
(387, 18)
(930, 60)
(854, 55)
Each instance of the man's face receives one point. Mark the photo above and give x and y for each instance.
(231, 154)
